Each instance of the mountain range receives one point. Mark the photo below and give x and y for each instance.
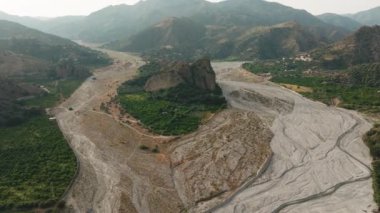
(225, 29)
(183, 38)
(193, 28)
(183, 28)
(122, 21)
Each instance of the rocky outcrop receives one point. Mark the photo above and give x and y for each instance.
(367, 45)
(203, 76)
(163, 80)
(199, 74)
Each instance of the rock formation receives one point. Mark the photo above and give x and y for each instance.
(199, 74)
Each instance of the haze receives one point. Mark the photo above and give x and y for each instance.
(317, 7)
(48, 8)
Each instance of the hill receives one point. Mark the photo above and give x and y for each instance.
(172, 33)
(30, 58)
(172, 97)
(340, 21)
(182, 38)
(361, 47)
(281, 40)
(22, 40)
(37, 70)
(65, 26)
(368, 17)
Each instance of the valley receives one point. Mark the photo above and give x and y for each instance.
(309, 152)
(120, 176)
(190, 106)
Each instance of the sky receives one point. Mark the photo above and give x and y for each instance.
(318, 7)
(54, 8)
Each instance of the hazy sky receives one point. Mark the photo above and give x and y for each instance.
(317, 7)
(52, 8)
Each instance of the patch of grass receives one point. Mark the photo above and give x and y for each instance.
(36, 164)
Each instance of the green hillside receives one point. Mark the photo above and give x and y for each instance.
(37, 70)
(181, 38)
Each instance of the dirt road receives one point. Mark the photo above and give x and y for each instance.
(320, 163)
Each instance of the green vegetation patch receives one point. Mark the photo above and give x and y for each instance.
(351, 96)
(359, 88)
(372, 139)
(278, 66)
(36, 164)
(164, 116)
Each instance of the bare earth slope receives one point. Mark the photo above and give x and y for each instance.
(320, 163)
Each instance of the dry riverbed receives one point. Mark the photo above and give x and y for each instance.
(271, 151)
(320, 163)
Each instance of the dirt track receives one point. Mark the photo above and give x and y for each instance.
(319, 163)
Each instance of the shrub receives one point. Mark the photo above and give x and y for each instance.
(61, 204)
(156, 149)
(143, 147)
